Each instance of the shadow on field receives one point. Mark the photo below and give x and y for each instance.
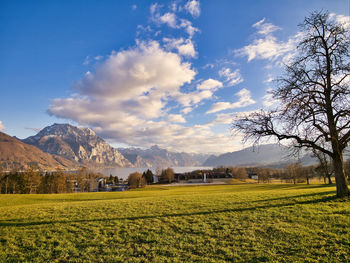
(15, 223)
(316, 186)
(292, 186)
(289, 197)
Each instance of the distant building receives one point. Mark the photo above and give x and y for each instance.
(155, 178)
(253, 176)
(102, 186)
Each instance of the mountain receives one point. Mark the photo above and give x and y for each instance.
(157, 157)
(78, 144)
(263, 155)
(16, 154)
(200, 157)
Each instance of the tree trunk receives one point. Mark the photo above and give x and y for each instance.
(329, 178)
(7, 181)
(340, 179)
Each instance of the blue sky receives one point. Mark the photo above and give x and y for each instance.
(140, 73)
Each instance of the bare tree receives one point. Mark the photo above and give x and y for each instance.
(294, 172)
(325, 165)
(314, 96)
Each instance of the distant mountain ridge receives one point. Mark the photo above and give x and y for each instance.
(157, 157)
(83, 146)
(263, 155)
(14, 154)
(77, 144)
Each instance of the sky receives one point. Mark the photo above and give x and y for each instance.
(141, 73)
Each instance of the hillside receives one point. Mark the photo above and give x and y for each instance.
(16, 154)
(77, 144)
(264, 155)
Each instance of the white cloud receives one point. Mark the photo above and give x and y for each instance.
(268, 99)
(243, 101)
(220, 106)
(269, 79)
(241, 114)
(133, 7)
(209, 65)
(265, 28)
(222, 118)
(232, 78)
(133, 84)
(97, 58)
(186, 110)
(210, 84)
(203, 91)
(176, 118)
(169, 19)
(267, 47)
(136, 71)
(344, 20)
(154, 8)
(86, 61)
(193, 7)
(193, 98)
(187, 25)
(183, 47)
(131, 130)
(173, 6)
(2, 127)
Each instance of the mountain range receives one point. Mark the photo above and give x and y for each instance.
(272, 155)
(66, 146)
(157, 157)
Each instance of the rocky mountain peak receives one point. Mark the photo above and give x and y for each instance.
(65, 129)
(154, 148)
(79, 144)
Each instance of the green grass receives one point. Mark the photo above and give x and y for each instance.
(239, 223)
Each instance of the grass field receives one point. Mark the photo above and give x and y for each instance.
(239, 223)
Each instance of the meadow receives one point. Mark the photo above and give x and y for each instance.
(219, 223)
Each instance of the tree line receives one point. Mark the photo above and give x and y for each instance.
(33, 181)
(138, 180)
(292, 173)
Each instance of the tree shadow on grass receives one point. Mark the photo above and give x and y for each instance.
(310, 186)
(290, 197)
(294, 186)
(15, 223)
